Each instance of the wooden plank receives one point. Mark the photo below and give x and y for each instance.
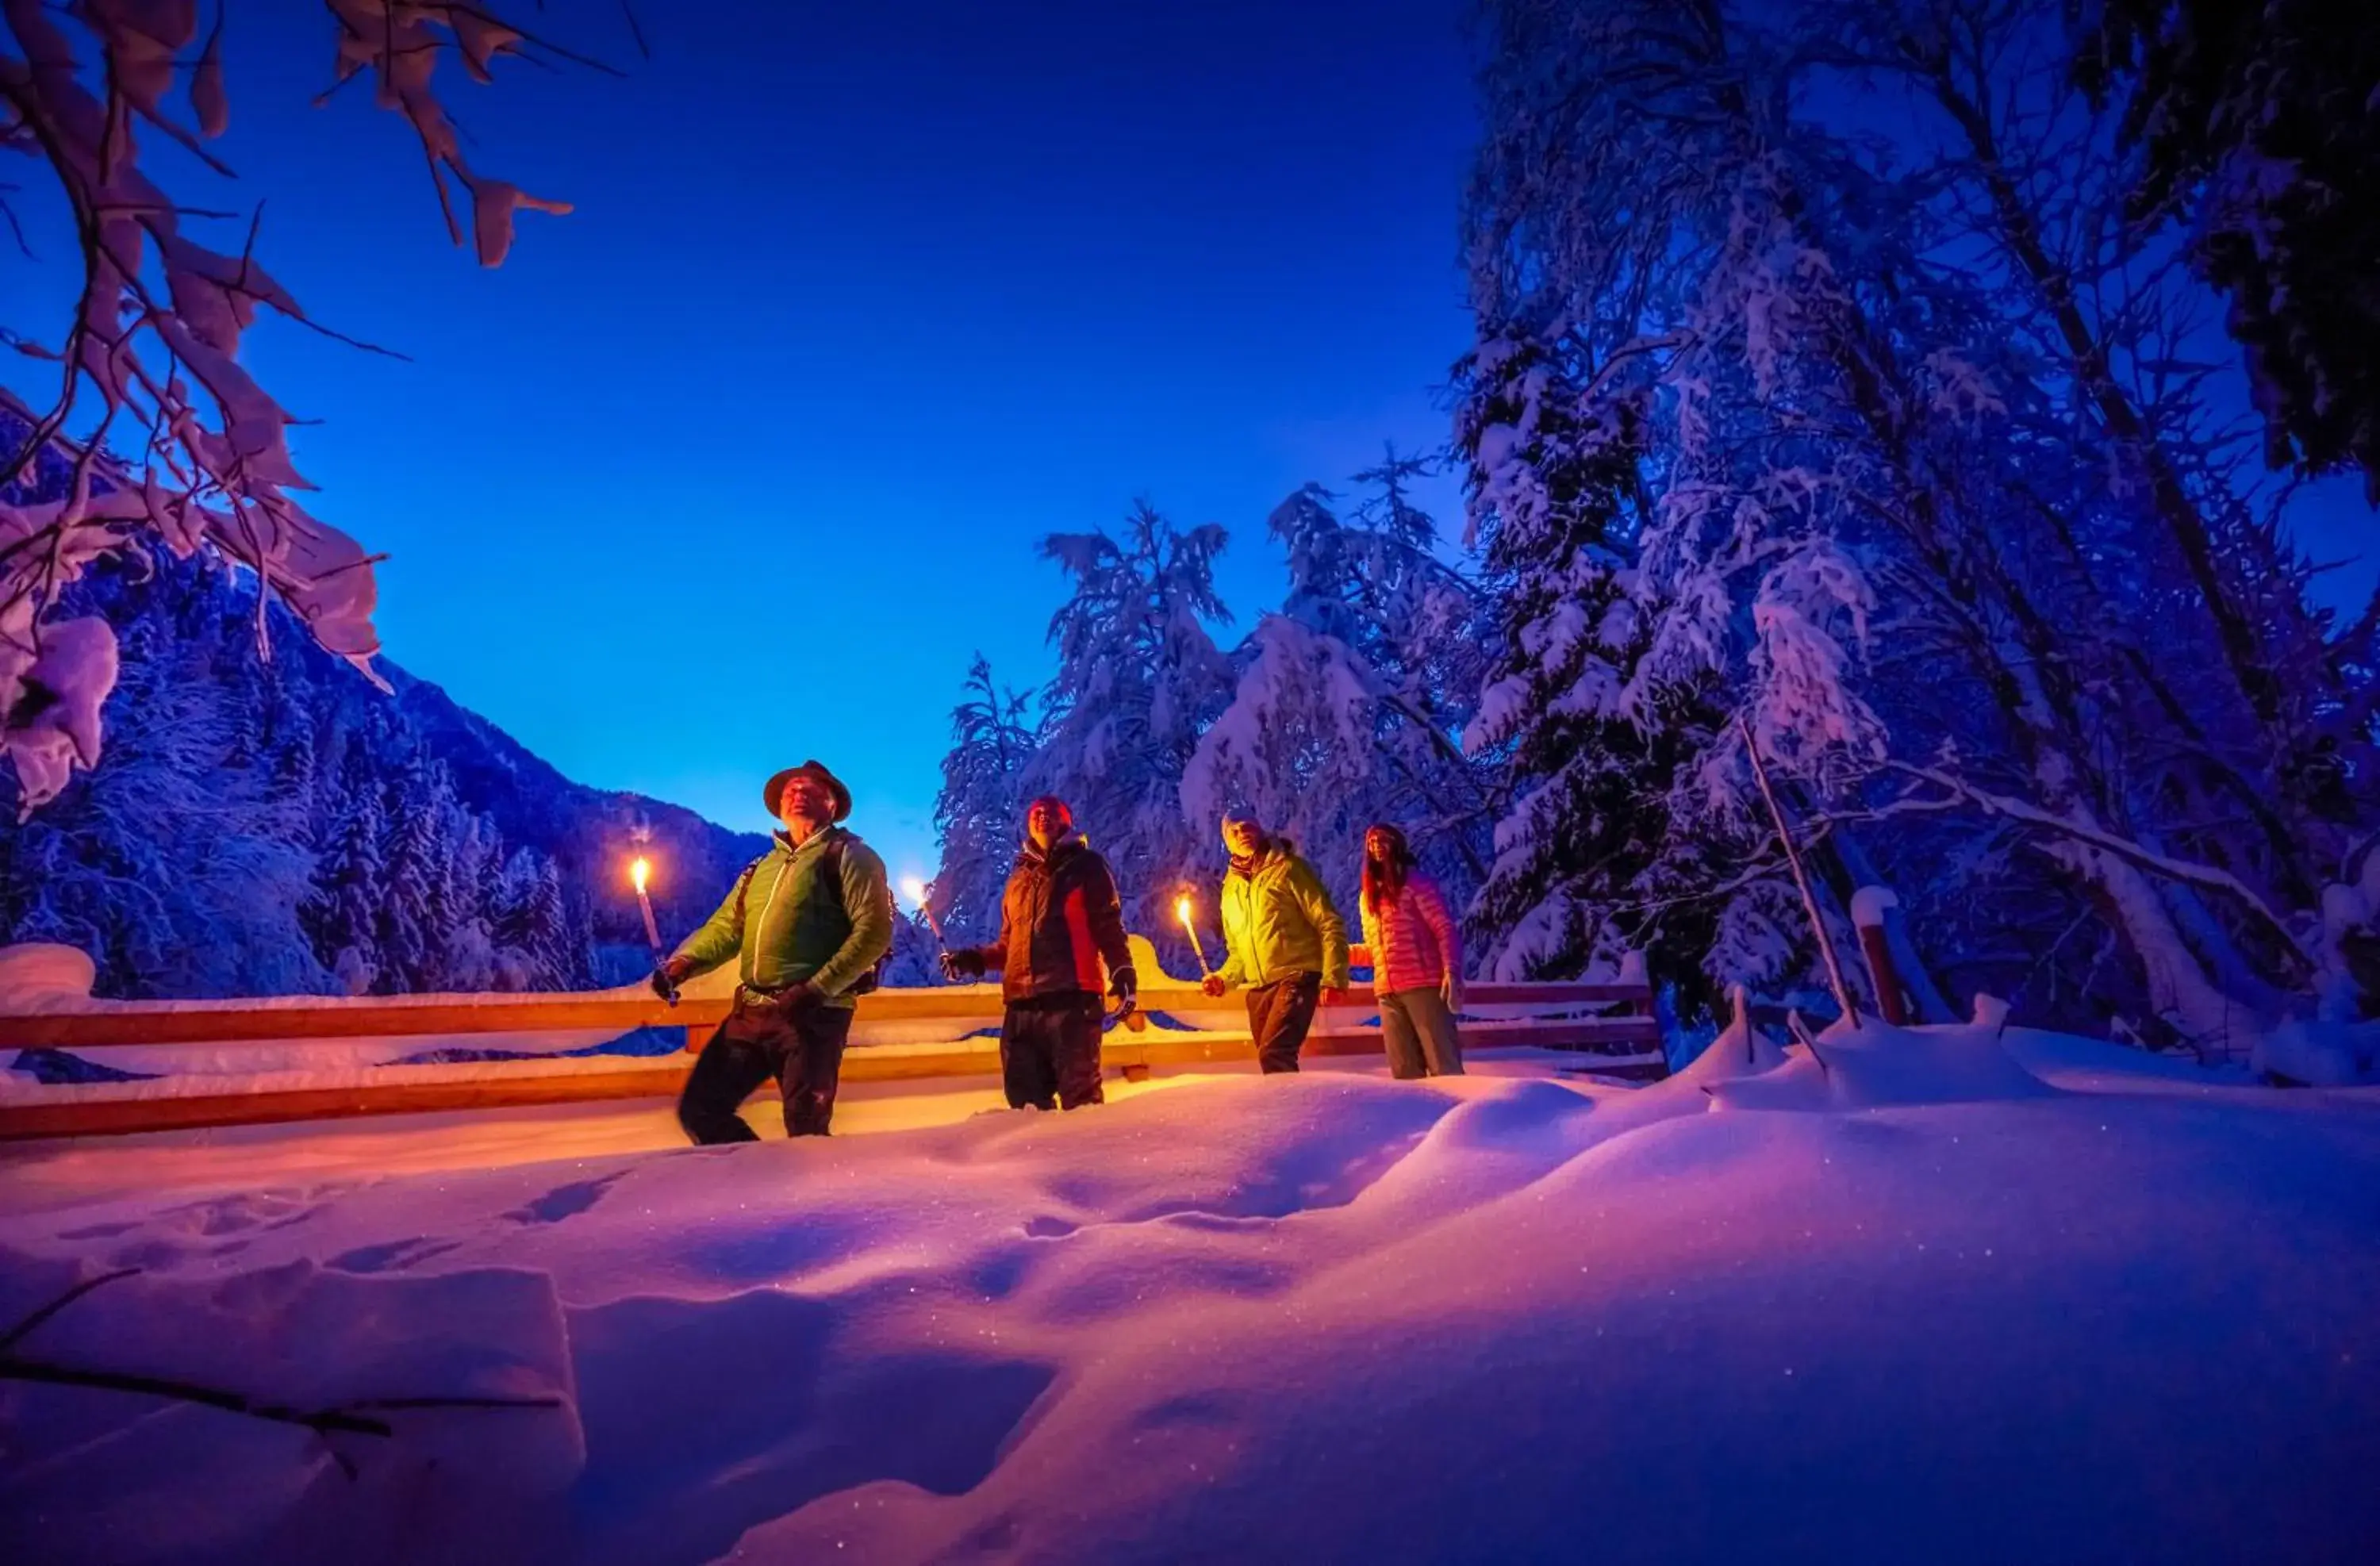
(229, 1025)
(233, 1022)
(109, 1117)
(895, 1063)
(1651, 1068)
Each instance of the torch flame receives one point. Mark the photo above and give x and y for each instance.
(1182, 909)
(915, 890)
(640, 872)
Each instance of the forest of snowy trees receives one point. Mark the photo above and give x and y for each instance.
(1837, 391)
(1342, 708)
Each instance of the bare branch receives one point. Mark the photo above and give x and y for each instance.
(2206, 876)
(18, 1333)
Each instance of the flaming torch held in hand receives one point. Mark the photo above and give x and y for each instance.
(1181, 911)
(917, 891)
(640, 872)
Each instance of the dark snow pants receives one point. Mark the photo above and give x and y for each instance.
(801, 1047)
(1049, 1050)
(1278, 1015)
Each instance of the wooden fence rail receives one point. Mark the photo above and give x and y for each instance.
(106, 1024)
(1626, 1045)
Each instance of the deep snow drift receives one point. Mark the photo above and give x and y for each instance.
(1923, 1302)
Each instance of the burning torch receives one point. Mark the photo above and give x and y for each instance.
(917, 891)
(639, 873)
(1181, 911)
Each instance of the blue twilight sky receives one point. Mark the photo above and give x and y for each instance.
(742, 460)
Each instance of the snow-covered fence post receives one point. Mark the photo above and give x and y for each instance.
(1869, 906)
(1632, 972)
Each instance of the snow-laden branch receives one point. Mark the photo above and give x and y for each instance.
(183, 447)
(1959, 790)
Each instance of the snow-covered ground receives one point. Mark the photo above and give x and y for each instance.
(1914, 1303)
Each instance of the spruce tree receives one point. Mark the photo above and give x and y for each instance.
(1588, 858)
(1349, 701)
(1139, 679)
(350, 887)
(979, 811)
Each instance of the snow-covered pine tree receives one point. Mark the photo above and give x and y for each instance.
(979, 813)
(350, 889)
(417, 909)
(914, 960)
(557, 937)
(528, 927)
(474, 887)
(1349, 701)
(1589, 866)
(1139, 679)
(575, 966)
(1661, 575)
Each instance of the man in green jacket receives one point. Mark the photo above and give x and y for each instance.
(1285, 940)
(806, 921)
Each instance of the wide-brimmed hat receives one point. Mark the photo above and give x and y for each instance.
(775, 789)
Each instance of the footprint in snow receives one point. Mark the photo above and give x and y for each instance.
(394, 1257)
(100, 1231)
(564, 1201)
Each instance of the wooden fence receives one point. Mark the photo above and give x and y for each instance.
(1610, 1024)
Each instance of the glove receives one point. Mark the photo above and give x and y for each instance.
(1337, 997)
(667, 976)
(1213, 984)
(1124, 986)
(800, 998)
(958, 966)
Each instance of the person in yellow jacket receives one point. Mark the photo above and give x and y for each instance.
(1286, 942)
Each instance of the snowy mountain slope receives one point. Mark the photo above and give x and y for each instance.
(278, 826)
(1320, 1318)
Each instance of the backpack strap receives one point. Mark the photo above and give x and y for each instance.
(743, 889)
(830, 866)
(829, 869)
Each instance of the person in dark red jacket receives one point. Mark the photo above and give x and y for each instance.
(1060, 929)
